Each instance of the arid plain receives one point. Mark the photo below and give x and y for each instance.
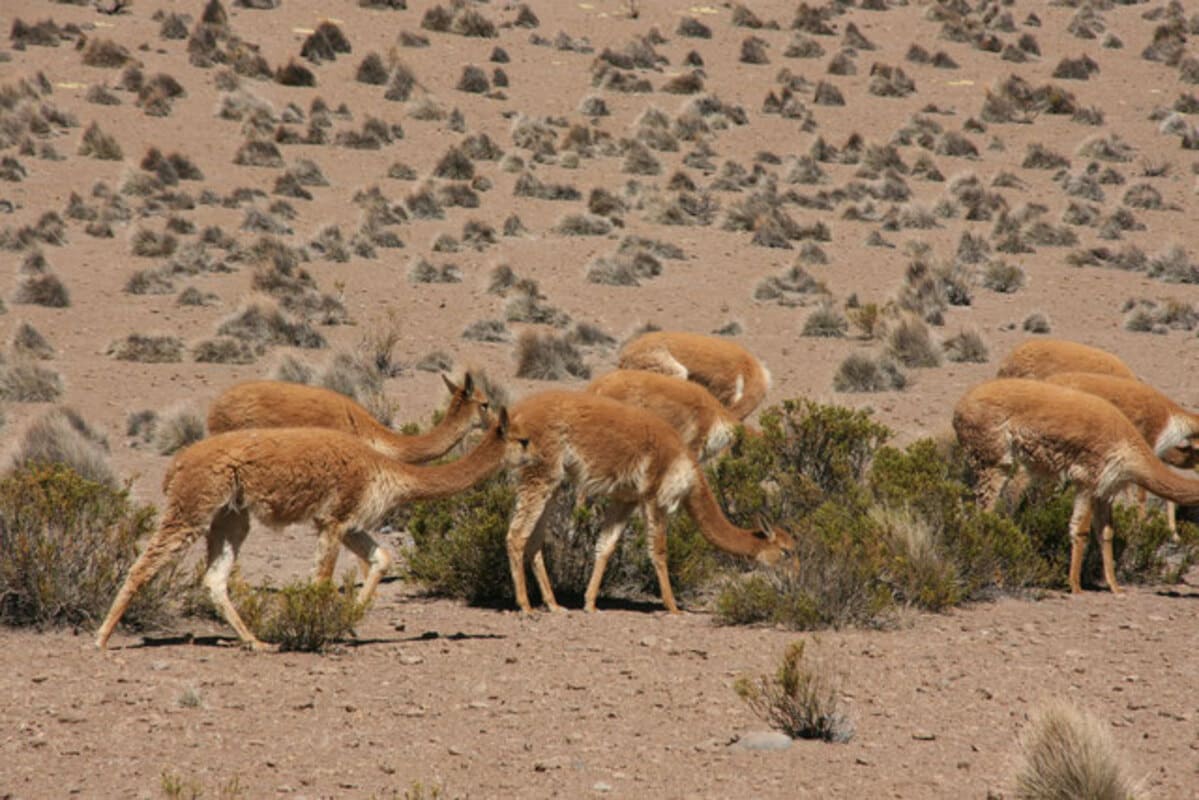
(846, 140)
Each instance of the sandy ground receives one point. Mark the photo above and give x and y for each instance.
(641, 705)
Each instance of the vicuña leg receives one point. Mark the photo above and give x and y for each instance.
(328, 548)
(655, 528)
(1103, 520)
(172, 536)
(1080, 531)
(991, 481)
(613, 525)
(532, 497)
(225, 537)
(363, 545)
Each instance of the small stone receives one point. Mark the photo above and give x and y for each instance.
(924, 736)
(600, 786)
(454, 750)
(649, 641)
(761, 740)
(410, 661)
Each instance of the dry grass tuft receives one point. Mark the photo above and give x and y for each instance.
(549, 357)
(802, 699)
(61, 436)
(1069, 753)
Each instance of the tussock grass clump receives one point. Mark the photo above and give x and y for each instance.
(152, 244)
(826, 321)
(66, 543)
(966, 347)
(582, 225)
(791, 288)
(1068, 752)
(487, 330)
(62, 437)
(802, 699)
(224, 349)
(1000, 276)
(106, 53)
(176, 429)
(294, 73)
(910, 343)
(862, 373)
(549, 357)
(28, 342)
(24, 381)
(1036, 322)
(266, 324)
(147, 349)
(44, 289)
(98, 144)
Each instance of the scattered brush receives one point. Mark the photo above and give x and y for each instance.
(106, 53)
(549, 357)
(826, 321)
(861, 373)
(1078, 69)
(1069, 753)
(802, 699)
(43, 289)
(225, 350)
(1000, 276)
(473, 80)
(582, 225)
(266, 324)
(24, 381)
(176, 429)
(98, 144)
(1036, 322)
(295, 74)
(966, 347)
(372, 70)
(28, 343)
(487, 330)
(910, 343)
(147, 349)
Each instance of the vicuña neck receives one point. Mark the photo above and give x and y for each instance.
(1162, 481)
(456, 476)
(433, 443)
(715, 527)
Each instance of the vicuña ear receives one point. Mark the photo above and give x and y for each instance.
(503, 422)
(765, 526)
(449, 384)
(468, 384)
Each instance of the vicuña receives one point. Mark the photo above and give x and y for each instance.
(279, 404)
(1171, 430)
(610, 449)
(1038, 358)
(727, 370)
(706, 426)
(1056, 431)
(282, 476)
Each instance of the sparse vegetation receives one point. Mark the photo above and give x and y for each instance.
(802, 699)
(1068, 752)
(549, 357)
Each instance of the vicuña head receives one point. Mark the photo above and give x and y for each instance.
(634, 458)
(282, 476)
(1053, 430)
(279, 404)
(727, 370)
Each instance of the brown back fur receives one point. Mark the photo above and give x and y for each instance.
(706, 426)
(1056, 430)
(279, 404)
(1038, 358)
(724, 368)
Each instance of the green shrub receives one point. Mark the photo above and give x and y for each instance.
(66, 544)
(801, 699)
(308, 616)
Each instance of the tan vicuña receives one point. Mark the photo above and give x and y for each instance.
(279, 404)
(1171, 430)
(724, 368)
(635, 459)
(1057, 431)
(1038, 358)
(706, 426)
(282, 476)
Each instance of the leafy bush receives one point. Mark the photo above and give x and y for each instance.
(308, 616)
(800, 699)
(65, 545)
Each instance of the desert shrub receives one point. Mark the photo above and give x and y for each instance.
(26, 382)
(966, 347)
(62, 437)
(177, 429)
(861, 373)
(487, 330)
(105, 53)
(1069, 753)
(1002, 277)
(802, 699)
(147, 349)
(826, 320)
(44, 289)
(266, 324)
(1036, 322)
(98, 144)
(66, 543)
(307, 617)
(548, 357)
(910, 343)
(28, 342)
